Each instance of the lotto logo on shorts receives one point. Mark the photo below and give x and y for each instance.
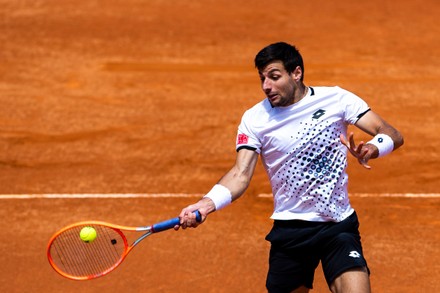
(354, 254)
(242, 139)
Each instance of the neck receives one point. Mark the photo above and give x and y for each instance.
(300, 93)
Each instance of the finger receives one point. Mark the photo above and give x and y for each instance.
(183, 218)
(363, 159)
(365, 165)
(184, 214)
(359, 148)
(344, 140)
(193, 220)
(351, 138)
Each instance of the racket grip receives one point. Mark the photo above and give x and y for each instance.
(168, 224)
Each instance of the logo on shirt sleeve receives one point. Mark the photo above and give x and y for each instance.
(242, 138)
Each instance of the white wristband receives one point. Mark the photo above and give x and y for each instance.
(384, 144)
(220, 195)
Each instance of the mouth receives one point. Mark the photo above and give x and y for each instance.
(272, 97)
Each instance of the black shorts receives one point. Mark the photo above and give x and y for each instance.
(298, 246)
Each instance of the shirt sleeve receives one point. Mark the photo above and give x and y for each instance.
(246, 137)
(353, 106)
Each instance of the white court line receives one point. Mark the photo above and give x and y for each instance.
(186, 195)
(411, 195)
(98, 195)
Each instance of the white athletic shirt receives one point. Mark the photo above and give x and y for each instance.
(302, 153)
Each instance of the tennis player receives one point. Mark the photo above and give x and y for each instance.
(300, 132)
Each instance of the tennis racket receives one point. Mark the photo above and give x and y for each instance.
(76, 259)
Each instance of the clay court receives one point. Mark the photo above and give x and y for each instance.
(143, 98)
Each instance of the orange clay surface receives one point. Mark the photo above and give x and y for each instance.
(145, 97)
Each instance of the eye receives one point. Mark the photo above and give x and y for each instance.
(275, 76)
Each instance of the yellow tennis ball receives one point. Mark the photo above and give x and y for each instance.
(87, 234)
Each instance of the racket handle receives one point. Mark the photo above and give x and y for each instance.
(168, 224)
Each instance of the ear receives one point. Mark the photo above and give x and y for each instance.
(297, 74)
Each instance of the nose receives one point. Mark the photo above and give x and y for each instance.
(266, 85)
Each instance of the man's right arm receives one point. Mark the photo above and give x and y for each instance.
(236, 181)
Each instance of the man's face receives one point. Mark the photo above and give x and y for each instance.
(278, 85)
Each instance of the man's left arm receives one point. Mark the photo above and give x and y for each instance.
(385, 139)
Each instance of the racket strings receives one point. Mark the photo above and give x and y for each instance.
(77, 258)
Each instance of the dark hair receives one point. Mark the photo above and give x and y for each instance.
(283, 52)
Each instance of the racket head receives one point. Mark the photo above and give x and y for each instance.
(75, 259)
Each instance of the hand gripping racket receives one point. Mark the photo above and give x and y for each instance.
(76, 259)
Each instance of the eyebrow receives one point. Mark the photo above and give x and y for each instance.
(270, 71)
